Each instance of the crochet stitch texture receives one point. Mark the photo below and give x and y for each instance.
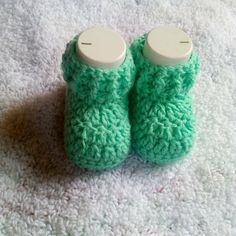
(163, 126)
(97, 128)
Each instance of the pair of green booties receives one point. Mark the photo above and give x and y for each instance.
(139, 104)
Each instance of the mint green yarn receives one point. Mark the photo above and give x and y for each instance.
(97, 128)
(163, 125)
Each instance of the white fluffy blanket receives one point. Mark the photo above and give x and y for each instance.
(42, 193)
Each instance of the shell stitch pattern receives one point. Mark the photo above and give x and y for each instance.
(163, 125)
(97, 128)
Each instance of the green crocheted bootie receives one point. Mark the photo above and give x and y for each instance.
(163, 126)
(97, 128)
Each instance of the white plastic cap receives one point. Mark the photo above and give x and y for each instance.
(101, 47)
(167, 45)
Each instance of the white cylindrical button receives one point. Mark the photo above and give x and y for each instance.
(167, 45)
(101, 47)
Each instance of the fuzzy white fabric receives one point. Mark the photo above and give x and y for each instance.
(42, 193)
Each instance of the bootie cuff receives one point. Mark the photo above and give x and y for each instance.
(94, 84)
(164, 81)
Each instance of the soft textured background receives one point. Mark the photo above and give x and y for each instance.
(41, 193)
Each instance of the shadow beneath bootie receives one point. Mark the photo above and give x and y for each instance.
(35, 127)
